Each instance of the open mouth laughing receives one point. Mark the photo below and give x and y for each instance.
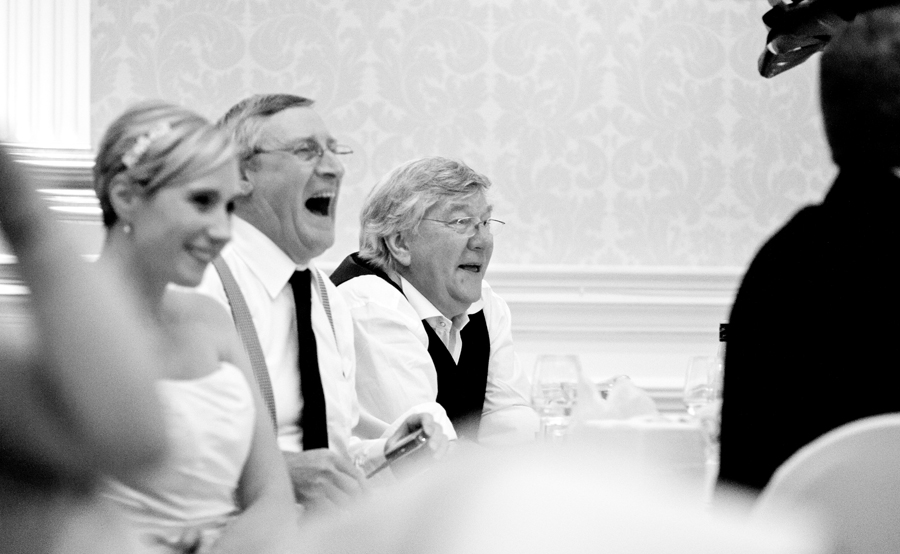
(321, 203)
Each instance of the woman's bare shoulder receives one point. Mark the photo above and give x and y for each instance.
(204, 318)
(188, 307)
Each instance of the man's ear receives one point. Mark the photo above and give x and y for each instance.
(399, 249)
(248, 177)
(124, 196)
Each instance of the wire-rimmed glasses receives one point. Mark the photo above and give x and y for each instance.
(306, 151)
(469, 226)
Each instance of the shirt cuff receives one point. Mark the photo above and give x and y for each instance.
(437, 413)
(370, 454)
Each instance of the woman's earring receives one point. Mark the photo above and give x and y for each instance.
(245, 187)
(127, 228)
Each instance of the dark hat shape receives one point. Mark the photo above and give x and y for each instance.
(800, 28)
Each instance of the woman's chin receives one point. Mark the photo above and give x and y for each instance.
(188, 279)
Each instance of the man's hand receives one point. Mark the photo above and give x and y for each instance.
(437, 441)
(323, 480)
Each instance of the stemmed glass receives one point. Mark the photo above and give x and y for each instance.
(703, 398)
(554, 392)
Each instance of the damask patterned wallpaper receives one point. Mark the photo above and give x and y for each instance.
(616, 132)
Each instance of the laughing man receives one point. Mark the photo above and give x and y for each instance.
(291, 174)
(427, 326)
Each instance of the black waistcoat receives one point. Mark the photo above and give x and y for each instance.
(461, 387)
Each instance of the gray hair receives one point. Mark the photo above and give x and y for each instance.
(400, 200)
(156, 144)
(244, 120)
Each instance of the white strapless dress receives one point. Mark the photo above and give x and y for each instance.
(210, 424)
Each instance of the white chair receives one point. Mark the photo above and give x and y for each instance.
(848, 479)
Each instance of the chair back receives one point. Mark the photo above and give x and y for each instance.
(848, 479)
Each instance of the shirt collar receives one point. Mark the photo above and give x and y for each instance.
(426, 310)
(266, 260)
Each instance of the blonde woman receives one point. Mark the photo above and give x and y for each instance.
(166, 180)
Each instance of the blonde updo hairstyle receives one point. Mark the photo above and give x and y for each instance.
(156, 144)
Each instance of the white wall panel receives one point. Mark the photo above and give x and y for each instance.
(45, 73)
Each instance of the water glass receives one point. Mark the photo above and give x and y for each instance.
(554, 393)
(703, 398)
(701, 383)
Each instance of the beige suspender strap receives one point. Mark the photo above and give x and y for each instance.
(244, 323)
(325, 304)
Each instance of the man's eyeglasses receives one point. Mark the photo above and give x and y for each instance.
(468, 226)
(306, 151)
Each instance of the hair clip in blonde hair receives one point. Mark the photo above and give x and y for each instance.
(143, 143)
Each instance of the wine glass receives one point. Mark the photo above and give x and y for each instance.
(554, 392)
(703, 398)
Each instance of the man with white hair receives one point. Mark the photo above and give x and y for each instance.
(427, 325)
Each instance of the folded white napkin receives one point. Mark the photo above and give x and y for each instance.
(624, 400)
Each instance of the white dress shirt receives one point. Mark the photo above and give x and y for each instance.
(262, 270)
(446, 329)
(395, 371)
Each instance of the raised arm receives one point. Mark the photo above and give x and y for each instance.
(78, 399)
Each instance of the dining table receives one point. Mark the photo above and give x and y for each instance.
(675, 449)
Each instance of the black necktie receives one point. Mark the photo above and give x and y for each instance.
(312, 419)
